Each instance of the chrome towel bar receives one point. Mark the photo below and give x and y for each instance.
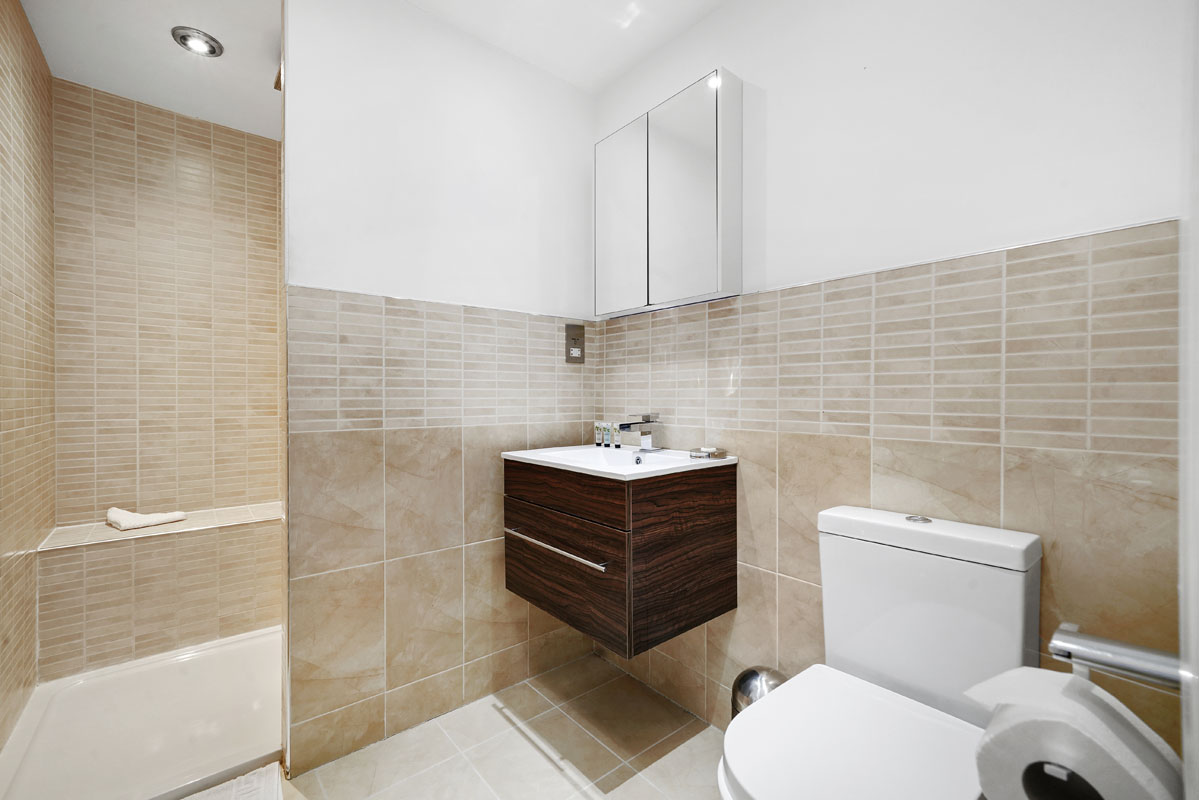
(1086, 652)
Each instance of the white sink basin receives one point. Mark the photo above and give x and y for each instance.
(618, 463)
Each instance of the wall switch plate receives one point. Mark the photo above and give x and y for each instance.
(575, 353)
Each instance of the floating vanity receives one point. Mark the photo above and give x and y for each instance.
(630, 547)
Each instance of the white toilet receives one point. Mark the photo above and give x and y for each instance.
(915, 612)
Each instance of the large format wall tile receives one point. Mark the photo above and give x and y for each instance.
(495, 618)
(556, 648)
(330, 736)
(337, 500)
(494, 672)
(424, 490)
(745, 637)
(801, 625)
(337, 640)
(947, 481)
(815, 473)
(1109, 528)
(424, 615)
(484, 473)
(423, 699)
(689, 649)
(757, 493)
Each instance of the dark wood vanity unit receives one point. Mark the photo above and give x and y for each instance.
(629, 563)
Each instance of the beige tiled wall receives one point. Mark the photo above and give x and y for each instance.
(399, 410)
(26, 349)
(359, 361)
(167, 270)
(102, 604)
(1034, 388)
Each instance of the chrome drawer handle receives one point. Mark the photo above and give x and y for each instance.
(600, 567)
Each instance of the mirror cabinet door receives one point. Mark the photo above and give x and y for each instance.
(621, 228)
(683, 201)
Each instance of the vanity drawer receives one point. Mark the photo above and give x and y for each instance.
(569, 567)
(601, 500)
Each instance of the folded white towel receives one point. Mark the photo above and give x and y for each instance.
(124, 520)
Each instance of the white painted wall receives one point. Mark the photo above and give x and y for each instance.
(421, 163)
(883, 133)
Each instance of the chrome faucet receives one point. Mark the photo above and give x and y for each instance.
(642, 425)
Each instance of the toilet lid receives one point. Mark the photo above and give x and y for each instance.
(826, 735)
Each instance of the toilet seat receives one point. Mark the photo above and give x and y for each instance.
(827, 735)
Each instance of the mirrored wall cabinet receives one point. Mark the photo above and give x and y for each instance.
(668, 202)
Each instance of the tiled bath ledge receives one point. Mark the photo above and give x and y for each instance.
(95, 532)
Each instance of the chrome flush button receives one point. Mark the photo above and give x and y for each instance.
(917, 518)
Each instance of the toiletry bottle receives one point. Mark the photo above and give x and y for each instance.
(607, 427)
(599, 434)
(615, 434)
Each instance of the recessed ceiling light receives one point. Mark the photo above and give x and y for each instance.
(197, 41)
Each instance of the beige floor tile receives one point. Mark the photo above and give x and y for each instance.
(688, 772)
(668, 745)
(455, 779)
(384, 764)
(574, 745)
(626, 715)
(622, 783)
(493, 715)
(519, 766)
(571, 680)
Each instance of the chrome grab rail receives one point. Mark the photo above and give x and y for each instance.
(1086, 652)
(599, 567)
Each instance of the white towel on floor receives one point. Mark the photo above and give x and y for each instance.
(124, 520)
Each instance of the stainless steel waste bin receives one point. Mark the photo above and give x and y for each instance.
(753, 684)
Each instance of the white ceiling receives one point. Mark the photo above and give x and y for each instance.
(585, 42)
(125, 47)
